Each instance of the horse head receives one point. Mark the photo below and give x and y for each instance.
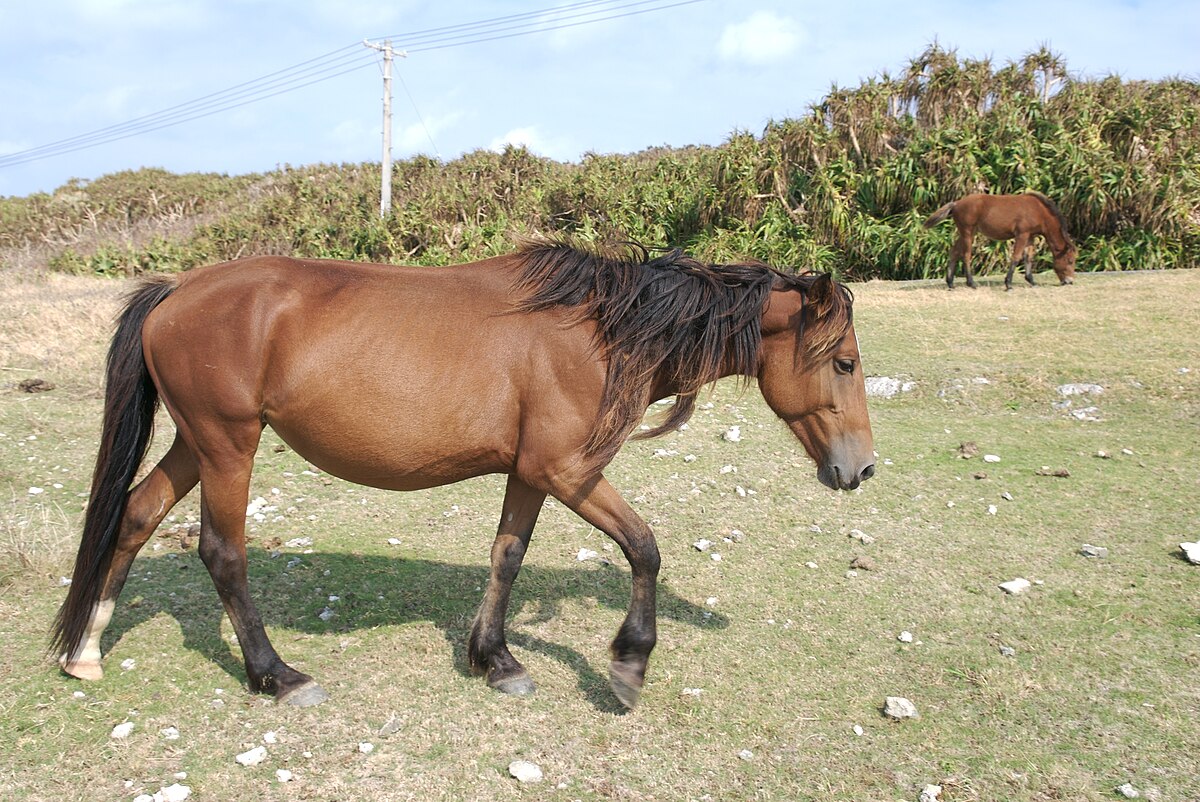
(1064, 263)
(810, 375)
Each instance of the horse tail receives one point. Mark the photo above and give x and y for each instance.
(130, 402)
(1058, 215)
(940, 215)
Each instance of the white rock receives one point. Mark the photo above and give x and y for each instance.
(885, 386)
(991, 458)
(746, 755)
(702, 544)
(128, 663)
(711, 601)
(298, 542)
(255, 506)
(1006, 496)
(586, 554)
(715, 557)
(862, 537)
(728, 469)
(1192, 550)
(525, 771)
(930, 793)
(1015, 586)
(283, 775)
(810, 564)
(169, 734)
(1128, 791)
(905, 637)
(122, 730)
(393, 541)
(326, 614)
(79, 695)
(36, 491)
(173, 793)
(252, 757)
(1088, 550)
(992, 510)
(692, 691)
(689, 458)
(366, 747)
(1080, 389)
(898, 707)
(858, 730)
(143, 798)
(64, 581)
(270, 737)
(733, 434)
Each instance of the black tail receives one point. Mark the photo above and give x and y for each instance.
(130, 401)
(940, 215)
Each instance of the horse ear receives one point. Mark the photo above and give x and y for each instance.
(820, 295)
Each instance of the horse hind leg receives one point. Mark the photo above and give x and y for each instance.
(487, 649)
(224, 487)
(960, 250)
(148, 503)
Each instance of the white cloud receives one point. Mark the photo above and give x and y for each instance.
(415, 137)
(763, 38)
(527, 137)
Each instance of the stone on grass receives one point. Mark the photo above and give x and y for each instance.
(586, 554)
(1008, 651)
(863, 562)
(253, 756)
(169, 734)
(733, 434)
(283, 775)
(992, 458)
(525, 771)
(366, 747)
(905, 637)
(886, 386)
(173, 793)
(128, 663)
(858, 730)
(1191, 551)
(702, 544)
(862, 537)
(898, 707)
(746, 755)
(1080, 389)
(1088, 550)
(930, 793)
(1128, 791)
(122, 730)
(1015, 586)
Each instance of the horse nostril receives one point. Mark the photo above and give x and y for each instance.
(867, 473)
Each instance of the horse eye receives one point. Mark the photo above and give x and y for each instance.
(844, 365)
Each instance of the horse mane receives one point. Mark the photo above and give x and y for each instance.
(1053, 207)
(670, 316)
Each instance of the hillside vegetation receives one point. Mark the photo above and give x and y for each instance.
(843, 189)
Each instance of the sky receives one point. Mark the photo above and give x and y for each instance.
(597, 78)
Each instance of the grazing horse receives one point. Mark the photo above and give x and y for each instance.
(1016, 217)
(536, 364)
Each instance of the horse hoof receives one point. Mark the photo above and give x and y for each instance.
(88, 671)
(306, 695)
(517, 685)
(626, 683)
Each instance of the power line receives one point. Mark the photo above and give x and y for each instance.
(341, 62)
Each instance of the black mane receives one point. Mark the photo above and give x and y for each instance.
(670, 316)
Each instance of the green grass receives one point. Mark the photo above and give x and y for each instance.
(789, 658)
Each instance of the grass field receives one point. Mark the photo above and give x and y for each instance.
(1095, 686)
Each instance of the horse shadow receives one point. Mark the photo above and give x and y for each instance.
(380, 591)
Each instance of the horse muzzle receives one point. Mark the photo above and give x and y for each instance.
(837, 476)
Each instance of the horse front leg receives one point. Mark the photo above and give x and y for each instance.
(967, 236)
(148, 503)
(224, 488)
(487, 648)
(598, 503)
(956, 253)
(1020, 251)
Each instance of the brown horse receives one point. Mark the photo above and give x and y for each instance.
(537, 365)
(1016, 217)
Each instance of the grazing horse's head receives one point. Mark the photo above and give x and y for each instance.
(810, 376)
(1064, 263)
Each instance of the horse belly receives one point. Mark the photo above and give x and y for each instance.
(413, 433)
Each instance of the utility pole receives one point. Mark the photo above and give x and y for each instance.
(385, 188)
